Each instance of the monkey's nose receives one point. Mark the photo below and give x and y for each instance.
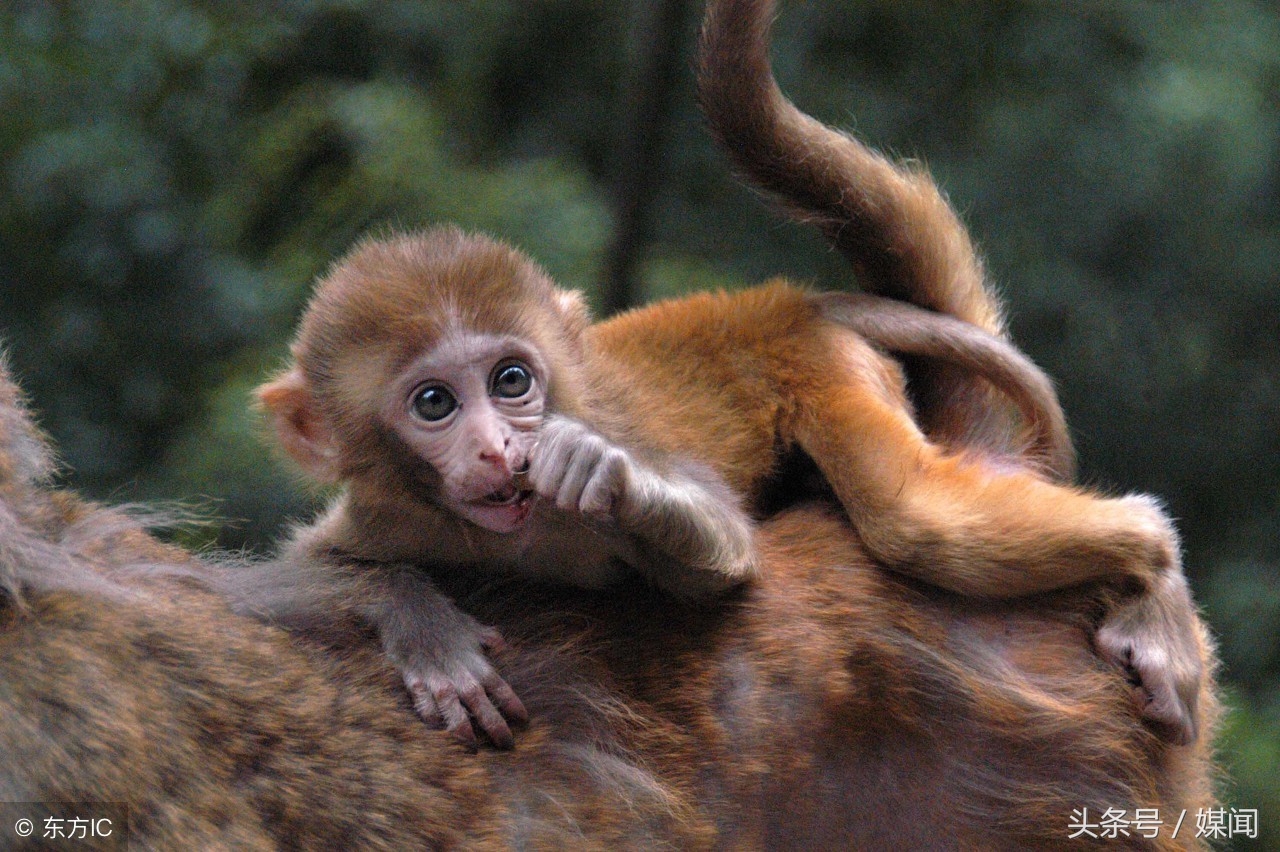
(495, 457)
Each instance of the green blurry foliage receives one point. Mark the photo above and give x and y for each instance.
(173, 174)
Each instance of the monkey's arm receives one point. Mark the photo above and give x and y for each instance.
(685, 528)
(440, 652)
(438, 649)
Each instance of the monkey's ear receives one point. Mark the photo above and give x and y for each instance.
(574, 311)
(302, 432)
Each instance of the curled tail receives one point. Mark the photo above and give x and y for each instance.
(909, 330)
(889, 221)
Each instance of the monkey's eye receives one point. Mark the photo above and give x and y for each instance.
(511, 381)
(434, 403)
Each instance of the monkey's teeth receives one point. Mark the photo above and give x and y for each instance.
(504, 497)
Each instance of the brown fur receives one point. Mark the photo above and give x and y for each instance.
(828, 706)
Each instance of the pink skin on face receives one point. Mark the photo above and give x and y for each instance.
(486, 492)
(464, 408)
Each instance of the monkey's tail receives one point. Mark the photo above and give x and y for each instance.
(910, 330)
(889, 221)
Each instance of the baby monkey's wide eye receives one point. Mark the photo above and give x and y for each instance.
(511, 381)
(433, 403)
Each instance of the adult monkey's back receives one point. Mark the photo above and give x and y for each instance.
(829, 706)
(904, 241)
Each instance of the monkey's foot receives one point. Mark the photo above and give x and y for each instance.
(1155, 640)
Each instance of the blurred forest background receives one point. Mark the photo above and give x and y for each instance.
(174, 173)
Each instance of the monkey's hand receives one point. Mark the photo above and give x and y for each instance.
(440, 652)
(1156, 638)
(581, 470)
(695, 539)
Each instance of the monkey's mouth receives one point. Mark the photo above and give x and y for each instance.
(515, 491)
(502, 511)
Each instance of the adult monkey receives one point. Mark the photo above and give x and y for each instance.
(828, 706)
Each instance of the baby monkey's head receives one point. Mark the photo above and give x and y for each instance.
(425, 363)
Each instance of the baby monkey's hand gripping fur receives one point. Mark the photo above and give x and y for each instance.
(439, 650)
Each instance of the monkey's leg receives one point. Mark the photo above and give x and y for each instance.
(975, 527)
(954, 521)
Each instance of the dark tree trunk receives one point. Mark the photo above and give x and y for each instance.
(659, 43)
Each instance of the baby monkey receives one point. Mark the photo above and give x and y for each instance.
(479, 422)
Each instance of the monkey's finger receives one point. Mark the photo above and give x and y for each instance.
(486, 715)
(455, 717)
(548, 467)
(1170, 712)
(597, 498)
(424, 704)
(506, 699)
(1171, 717)
(576, 477)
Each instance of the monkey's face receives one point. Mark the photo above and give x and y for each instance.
(470, 407)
